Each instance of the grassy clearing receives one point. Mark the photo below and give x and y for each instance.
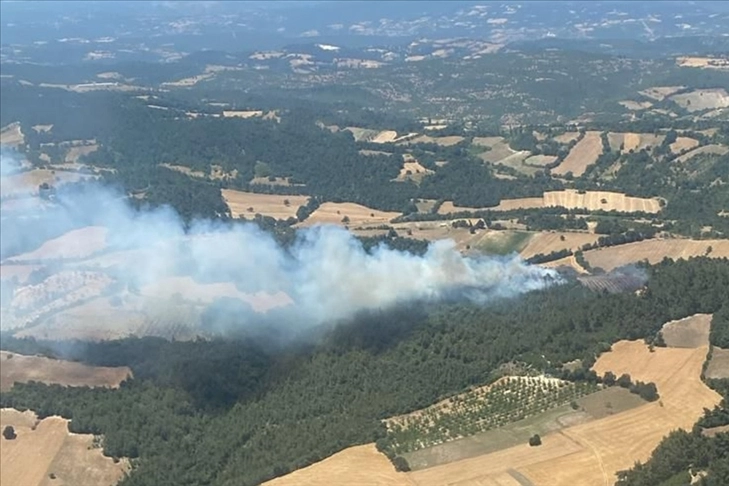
(502, 242)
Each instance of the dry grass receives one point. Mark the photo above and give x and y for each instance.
(19, 368)
(567, 137)
(12, 135)
(582, 155)
(659, 93)
(26, 183)
(242, 114)
(719, 364)
(546, 243)
(247, 204)
(42, 128)
(540, 160)
(357, 466)
(569, 261)
(635, 105)
(712, 149)
(45, 447)
(587, 453)
(634, 141)
(443, 141)
(333, 213)
(703, 62)
(413, 170)
(690, 332)
(78, 243)
(702, 99)
(570, 199)
(683, 143)
(654, 251)
(600, 200)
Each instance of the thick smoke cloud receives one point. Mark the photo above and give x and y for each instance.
(325, 276)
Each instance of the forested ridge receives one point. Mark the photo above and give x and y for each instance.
(271, 410)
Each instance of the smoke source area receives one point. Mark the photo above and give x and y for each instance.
(149, 262)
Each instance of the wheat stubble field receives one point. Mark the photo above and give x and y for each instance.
(589, 453)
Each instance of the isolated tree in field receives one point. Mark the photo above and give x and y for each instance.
(9, 432)
(535, 440)
(345, 220)
(609, 378)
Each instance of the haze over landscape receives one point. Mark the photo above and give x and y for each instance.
(382, 243)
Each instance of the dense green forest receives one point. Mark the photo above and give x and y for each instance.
(271, 409)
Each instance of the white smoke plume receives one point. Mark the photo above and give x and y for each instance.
(325, 276)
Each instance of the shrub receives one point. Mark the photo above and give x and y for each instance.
(535, 440)
(9, 432)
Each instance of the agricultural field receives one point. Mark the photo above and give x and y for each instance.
(586, 453)
(633, 141)
(548, 242)
(11, 135)
(444, 141)
(718, 364)
(690, 332)
(654, 251)
(703, 62)
(76, 244)
(600, 200)
(567, 137)
(508, 400)
(702, 99)
(26, 183)
(360, 465)
(358, 215)
(683, 144)
(247, 204)
(412, 170)
(44, 453)
(713, 149)
(19, 368)
(582, 155)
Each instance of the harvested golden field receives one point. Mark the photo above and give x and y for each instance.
(20, 368)
(77, 151)
(357, 466)
(689, 332)
(587, 453)
(633, 141)
(12, 135)
(683, 143)
(45, 447)
(242, 114)
(78, 243)
(488, 141)
(719, 364)
(703, 62)
(582, 155)
(546, 243)
(334, 213)
(654, 251)
(570, 199)
(593, 452)
(659, 93)
(636, 105)
(567, 137)
(600, 200)
(444, 141)
(713, 149)
(413, 170)
(26, 183)
(569, 261)
(247, 204)
(702, 99)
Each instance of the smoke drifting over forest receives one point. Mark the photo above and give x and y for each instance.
(325, 275)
